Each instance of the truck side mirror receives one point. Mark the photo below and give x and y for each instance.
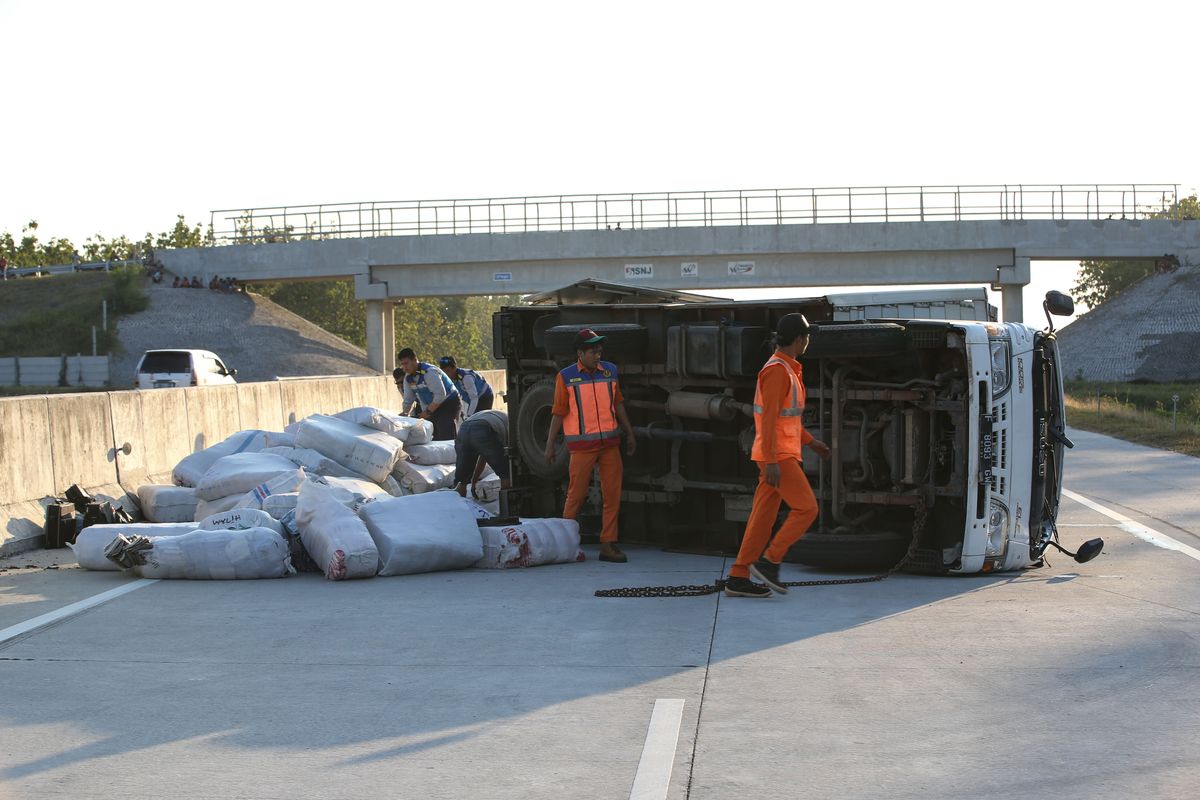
(1059, 304)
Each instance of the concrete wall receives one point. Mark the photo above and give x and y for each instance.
(47, 371)
(51, 441)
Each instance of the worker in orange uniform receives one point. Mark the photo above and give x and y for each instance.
(588, 409)
(778, 438)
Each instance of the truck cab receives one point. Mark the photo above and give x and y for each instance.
(946, 434)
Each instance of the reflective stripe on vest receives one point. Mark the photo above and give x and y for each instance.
(788, 430)
(419, 383)
(796, 409)
(591, 403)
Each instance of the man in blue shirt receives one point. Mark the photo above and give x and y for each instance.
(431, 391)
(472, 387)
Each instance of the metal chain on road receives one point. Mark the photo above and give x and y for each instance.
(920, 515)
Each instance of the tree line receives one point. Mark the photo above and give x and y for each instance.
(27, 250)
(431, 326)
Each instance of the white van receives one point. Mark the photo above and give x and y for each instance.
(164, 369)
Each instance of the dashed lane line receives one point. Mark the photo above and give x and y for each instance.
(653, 776)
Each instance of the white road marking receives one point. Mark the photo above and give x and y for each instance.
(71, 610)
(653, 776)
(1136, 528)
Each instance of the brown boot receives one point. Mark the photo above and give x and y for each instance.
(610, 552)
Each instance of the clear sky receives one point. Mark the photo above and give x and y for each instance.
(120, 115)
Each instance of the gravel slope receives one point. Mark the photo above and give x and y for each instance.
(253, 335)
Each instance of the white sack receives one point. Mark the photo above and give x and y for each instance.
(277, 505)
(433, 453)
(531, 543)
(418, 479)
(487, 488)
(333, 535)
(478, 510)
(313, 462)
(367, 452)
(278, 439)
(167, 503)
(426, 533)
(206, 508)
(282, 483)
(240, 519)
(217, 555)
(191, 469)
(89, 545)
(410, 430)
(239, 473)
(354, 492)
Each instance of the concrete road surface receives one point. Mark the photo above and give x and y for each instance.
(1072, 681)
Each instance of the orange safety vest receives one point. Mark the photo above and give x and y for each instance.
(788, 430)
(591, 404)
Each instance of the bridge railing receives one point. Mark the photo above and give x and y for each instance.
(619, 212)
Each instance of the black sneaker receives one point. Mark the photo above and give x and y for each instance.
(768, 573)
(744, 587)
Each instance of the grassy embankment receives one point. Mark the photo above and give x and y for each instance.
(54, 315)
(1138, 412)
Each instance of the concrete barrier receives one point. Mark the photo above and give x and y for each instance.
(212, 414)
(305, 397)
(260, 406)
(52, 371)
(39, 371)
(49, 442)
(26, 472)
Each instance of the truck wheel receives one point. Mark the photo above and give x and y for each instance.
(849, 551)
(533, 426)
(866, 339)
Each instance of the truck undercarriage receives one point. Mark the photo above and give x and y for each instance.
(897, 394)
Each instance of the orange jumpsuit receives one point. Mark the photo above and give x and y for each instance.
(778, 439)
(585, 455)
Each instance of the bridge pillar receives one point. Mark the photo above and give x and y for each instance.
(1011, 282)
(381, 335)
(1012, 297)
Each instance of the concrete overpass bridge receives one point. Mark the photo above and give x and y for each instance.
(692, 241)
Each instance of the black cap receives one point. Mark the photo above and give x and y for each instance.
(790, 328)
(447, 361)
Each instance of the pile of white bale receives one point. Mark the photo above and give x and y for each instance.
(361, 493)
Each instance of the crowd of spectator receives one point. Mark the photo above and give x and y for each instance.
(217, 284)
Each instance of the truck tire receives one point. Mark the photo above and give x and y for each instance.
(622, 341)
(865, 339)
(849, 551)
(532, 428)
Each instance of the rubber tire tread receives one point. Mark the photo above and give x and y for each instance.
(533, 452)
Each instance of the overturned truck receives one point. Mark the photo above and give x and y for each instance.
(946, 434)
